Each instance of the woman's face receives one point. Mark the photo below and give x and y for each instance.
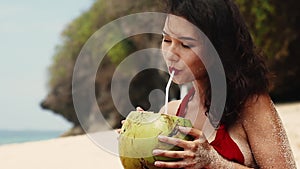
(182, 50)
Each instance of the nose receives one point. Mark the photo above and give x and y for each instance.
(172, 53)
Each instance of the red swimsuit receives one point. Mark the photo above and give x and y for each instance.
(223, 143)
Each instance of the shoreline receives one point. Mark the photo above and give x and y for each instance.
(9, 136)
(77, 152)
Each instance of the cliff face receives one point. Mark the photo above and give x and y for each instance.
(59, 99)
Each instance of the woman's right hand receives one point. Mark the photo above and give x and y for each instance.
(139, 109)
(119, 130)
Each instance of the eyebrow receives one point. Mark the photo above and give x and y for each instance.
(181, 38)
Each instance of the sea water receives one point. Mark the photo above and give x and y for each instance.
(13, 136)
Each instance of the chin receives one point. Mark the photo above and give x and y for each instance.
(181, 81)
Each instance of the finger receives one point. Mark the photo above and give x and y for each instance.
(191, 131)
(177, 164)
(123, 121)
(202, 139)
(173, 154)
(118, 131)
(139, 109)
(197, 134)
(176, 141)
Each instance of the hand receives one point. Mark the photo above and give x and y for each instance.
(139, 109)
(119, 130)
(196, 154)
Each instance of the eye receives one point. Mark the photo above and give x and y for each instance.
(167, 40)
(187, 46)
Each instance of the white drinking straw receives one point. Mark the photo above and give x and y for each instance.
(167, 91)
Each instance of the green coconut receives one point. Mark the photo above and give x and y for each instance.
(138, 138)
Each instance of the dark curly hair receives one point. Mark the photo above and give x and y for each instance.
(245, 70)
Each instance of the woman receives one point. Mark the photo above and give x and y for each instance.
(250, 133)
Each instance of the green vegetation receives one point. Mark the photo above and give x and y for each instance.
(274, 27)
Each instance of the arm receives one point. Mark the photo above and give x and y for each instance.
(266, 135)
(197, 154)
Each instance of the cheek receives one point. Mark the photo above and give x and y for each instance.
(199, 70)
(164, 52)
(192, 60)
(164, 47)
(196, 66)
(164, 57)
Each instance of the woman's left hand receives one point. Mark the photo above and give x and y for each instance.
(196, 154)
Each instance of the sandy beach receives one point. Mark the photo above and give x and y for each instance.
(80, 152)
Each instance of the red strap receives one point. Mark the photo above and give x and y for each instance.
(181, 110)
(226, 147)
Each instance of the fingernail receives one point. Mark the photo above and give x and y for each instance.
(160, 137)
(184, 129)
(156, 152)
(180, 127)
(139, 108)
(157, 163)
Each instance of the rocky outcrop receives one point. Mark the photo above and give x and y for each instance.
(59, 99)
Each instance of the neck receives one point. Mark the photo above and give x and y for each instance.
(196, 107)
(200, 87)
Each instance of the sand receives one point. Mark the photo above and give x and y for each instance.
(80, 152)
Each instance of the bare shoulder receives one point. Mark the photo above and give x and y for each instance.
(172, 107)
(259, 116)
(266, 134)
(258, 107)
(260, 113)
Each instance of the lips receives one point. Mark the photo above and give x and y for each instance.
(176, 71)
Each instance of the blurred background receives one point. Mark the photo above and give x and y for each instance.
(40, 41)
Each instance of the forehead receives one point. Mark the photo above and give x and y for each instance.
(176, 26)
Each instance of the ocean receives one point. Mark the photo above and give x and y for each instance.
(12, 136)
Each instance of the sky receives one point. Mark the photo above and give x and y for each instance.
(29, 32)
